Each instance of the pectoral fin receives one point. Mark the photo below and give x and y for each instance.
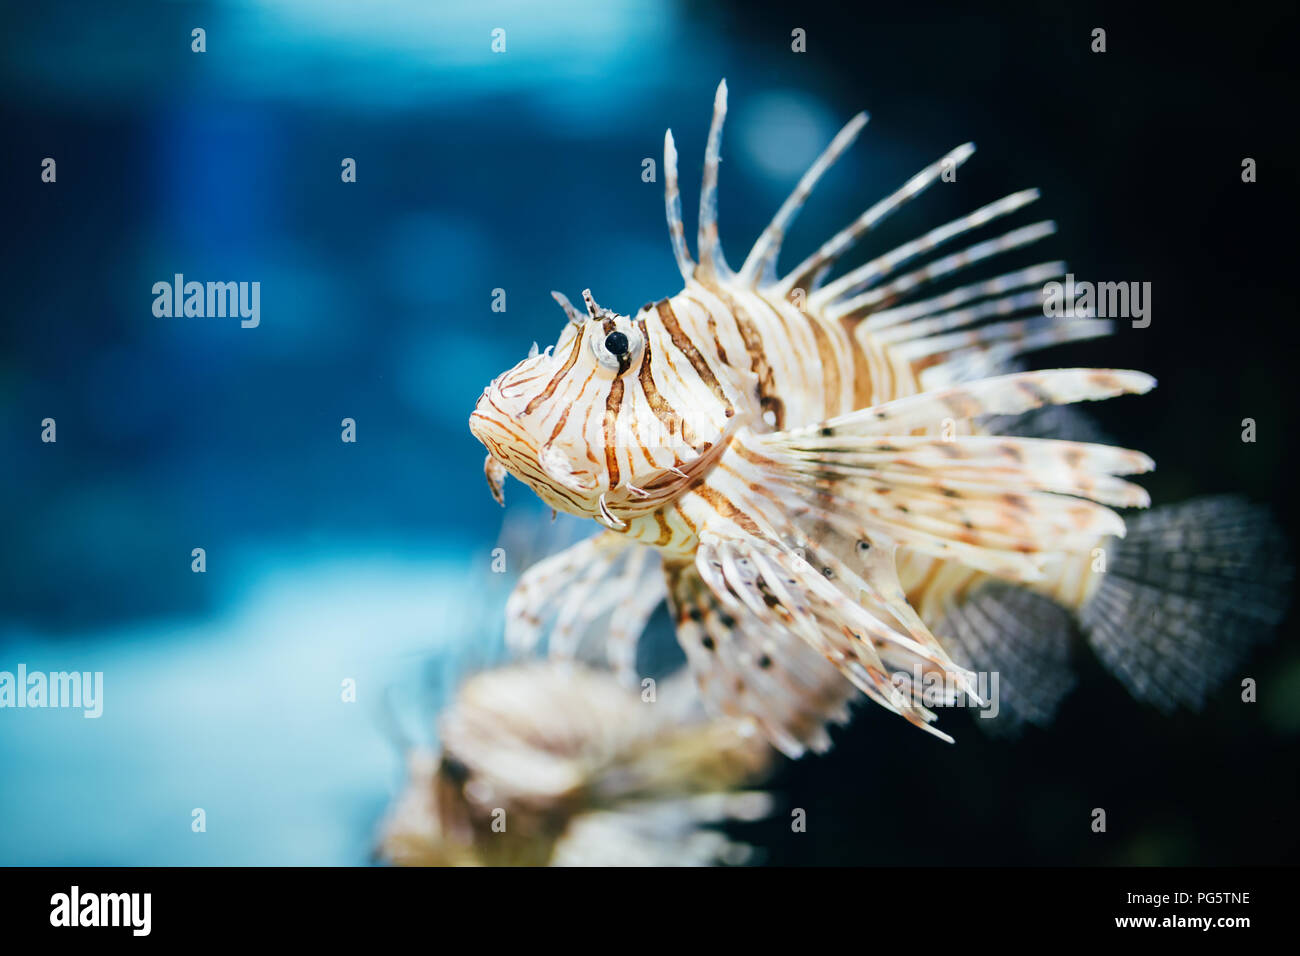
(767, 639)
(998, 504)
(570, 595)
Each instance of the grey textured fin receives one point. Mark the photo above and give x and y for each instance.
(1064, 422)
(1184, 597)
(1024, 639)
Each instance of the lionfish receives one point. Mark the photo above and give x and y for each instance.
(825, 480)
(554, 763)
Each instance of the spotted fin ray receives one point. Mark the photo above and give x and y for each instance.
(781, 609)
(997, 503)
(747, 669)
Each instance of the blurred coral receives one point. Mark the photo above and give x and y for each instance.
(558, 764)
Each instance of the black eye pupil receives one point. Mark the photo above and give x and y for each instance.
(616, 343)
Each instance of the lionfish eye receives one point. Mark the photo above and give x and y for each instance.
(617, 350)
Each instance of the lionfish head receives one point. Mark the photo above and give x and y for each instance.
(585, 425)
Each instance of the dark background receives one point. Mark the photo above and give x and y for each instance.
(1136, 152)
(523, 172)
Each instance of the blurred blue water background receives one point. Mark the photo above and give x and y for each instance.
(325, 560)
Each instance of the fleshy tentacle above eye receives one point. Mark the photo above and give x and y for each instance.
(574, 316)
